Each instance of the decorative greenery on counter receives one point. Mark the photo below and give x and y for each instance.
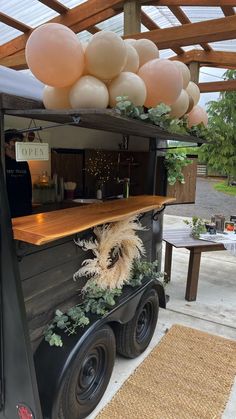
(96, 300)
(197, 225)
(174, 163)
(160, 116)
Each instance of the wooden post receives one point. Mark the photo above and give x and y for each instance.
(194, 71)
(132, 17)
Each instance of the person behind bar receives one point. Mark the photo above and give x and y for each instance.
(18, 179)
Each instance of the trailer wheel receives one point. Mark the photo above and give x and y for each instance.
(133, 337)
(88, 375)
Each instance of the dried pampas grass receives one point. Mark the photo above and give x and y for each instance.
(115, 247)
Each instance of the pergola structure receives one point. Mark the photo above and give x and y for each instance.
(199, 35)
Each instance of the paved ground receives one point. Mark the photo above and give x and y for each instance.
(208, 202)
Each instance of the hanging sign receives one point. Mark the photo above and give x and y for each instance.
(31, 151)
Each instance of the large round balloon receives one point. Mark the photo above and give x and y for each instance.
(184, 71)
(89, 92)
(180, 107)
(197, 116)
(146, 50)
(130, 41)
(105, 55)
(56, 97)
(191, 103)
(132, 63)
(54, 55)
(127, 84)
(163, 82)
(193, 90)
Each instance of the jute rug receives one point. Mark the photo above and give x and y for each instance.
(188, 375)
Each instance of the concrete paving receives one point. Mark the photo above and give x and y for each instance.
(213, 312)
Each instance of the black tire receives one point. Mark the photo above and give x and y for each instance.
(89, 375)
(133, 337)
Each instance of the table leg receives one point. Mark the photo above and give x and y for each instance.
(193, 274)
(168, 261)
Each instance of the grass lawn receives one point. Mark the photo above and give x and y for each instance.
(223, 187)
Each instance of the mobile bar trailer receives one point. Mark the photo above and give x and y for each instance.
(38, 260)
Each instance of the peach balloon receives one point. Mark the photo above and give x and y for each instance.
(197, 116)
(180, 107)
(89, 92)
(127, 84)
(184, 71)
(54, 55)
(146, 50)
(132, 63)
(56, 97)
(193, 90)
(191, 103)
(163, 82)
(105, 55)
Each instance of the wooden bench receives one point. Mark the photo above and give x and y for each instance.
(180, 238)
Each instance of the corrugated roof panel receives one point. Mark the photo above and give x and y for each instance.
(198, 14)
(228, 45)
(72, 3)
(7, 33)
(30, 12)
(161, 15)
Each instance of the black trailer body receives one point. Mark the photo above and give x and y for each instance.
(36, 381)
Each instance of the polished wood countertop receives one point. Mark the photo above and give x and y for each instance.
(43, 228)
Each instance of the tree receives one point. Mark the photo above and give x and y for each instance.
(220, 151)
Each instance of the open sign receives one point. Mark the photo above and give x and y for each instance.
(31, 151)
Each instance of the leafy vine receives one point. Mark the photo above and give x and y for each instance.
(174, 163)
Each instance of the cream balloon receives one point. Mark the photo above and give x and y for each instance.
(197, 116)
(127, 84)
(56, 97)
(193, 90)
(184, 71)
(132, 63)
(146, 50)
(163, 82)
(54, 55)
(89, 92)
(105, 55)
(130, 41)
(191, 103)
(180, 107)
(85, 70)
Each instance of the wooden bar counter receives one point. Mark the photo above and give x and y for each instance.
(43, 228)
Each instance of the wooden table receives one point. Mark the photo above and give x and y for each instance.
(180, 238)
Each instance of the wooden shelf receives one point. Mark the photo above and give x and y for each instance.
(42, 228)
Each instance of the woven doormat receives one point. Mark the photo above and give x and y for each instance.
(188, 375)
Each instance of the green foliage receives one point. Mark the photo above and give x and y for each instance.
(197, 225)
(160, 116)
(96, 300)
(174, 163)
(220, 151)
(227, 189)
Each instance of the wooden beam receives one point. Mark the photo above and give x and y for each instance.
(192, 33)
(55, 5)
(218, 86)
(78, 19)
(220, 59)
(194, 71)
(132, 17)
(9, 21)
(203, 3)
(151, 25)
(228, 10)
(16, 61)
(182, 18)
(93, 30)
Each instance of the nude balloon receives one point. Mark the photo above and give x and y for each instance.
(132, 63)
(105, 55)
(130, 41)
(146, 50)
(54, 55)
(193, 90)
(197, 116)
(89, 92)
(56, 98)
(127, 84)
(184, 71)
(191, 103)
(163, 81)
(180, 107)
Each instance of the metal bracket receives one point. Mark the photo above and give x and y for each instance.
(76, 120)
